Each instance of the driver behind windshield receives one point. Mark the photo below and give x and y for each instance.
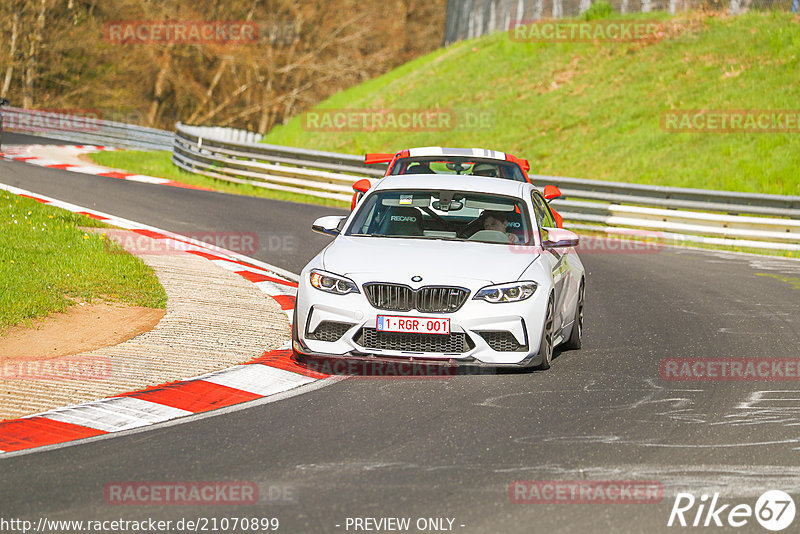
(496, 221)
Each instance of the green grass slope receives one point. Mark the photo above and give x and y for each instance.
(593, 110)
(49, 263)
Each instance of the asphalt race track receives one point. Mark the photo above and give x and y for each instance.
(450, 447)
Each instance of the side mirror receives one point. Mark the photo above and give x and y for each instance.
(4, 102)
(558, 237)
(328, 225)
(551, 192)
(362, 185)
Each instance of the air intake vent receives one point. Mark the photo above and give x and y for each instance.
(454, 343)
(503, 342)
(330, 331)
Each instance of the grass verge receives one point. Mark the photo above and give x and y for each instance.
(594, 109)
(158, 163)
(47, 264)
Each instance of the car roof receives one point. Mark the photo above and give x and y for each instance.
(455, 182)
(468, 152)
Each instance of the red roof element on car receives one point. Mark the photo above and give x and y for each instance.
(519, 161)
(371, 159)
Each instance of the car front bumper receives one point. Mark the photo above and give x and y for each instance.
(481, 333)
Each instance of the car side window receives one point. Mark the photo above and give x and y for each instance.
(543, 215)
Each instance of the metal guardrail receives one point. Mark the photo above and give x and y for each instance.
(311, 172)
(718, 217)
(84, 129)
(675, 197)
(224, 134)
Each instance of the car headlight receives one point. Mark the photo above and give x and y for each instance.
(511, 292)
(332, 283)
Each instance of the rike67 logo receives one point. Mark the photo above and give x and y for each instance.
(774, 510)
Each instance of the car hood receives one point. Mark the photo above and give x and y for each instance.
(436, 261)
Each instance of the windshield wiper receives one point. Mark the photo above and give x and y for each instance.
(382, 235)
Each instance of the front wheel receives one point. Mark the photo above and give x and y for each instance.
(546, 345)
(295, 337)
(574, 341)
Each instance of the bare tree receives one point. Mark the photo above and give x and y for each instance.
(305, 52)
(558, 9)
(538, 9)
(35, 43)
(12, 52)
(160, 84)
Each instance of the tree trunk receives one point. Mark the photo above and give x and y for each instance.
(160, 86)
(558, 9)
(35, 45)
(266, 119)
(12, 53)
(209, 92)
(538, 9)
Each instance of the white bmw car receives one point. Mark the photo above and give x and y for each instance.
(461, 269)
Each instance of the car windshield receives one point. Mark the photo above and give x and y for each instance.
(448, 215)
(459, 165)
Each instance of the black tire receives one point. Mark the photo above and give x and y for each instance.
(296, 355)
(546, 345)
(574, 341)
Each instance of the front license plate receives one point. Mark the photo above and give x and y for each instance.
(413, 325)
